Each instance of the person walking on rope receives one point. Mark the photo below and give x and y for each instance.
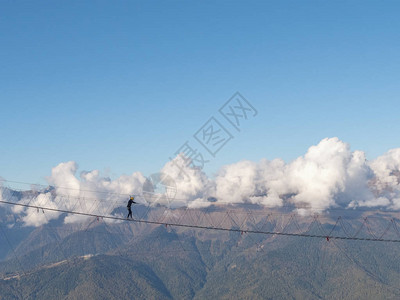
(129, 207)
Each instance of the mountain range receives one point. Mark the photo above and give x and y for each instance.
(100, 259)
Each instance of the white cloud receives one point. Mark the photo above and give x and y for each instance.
(386, 183)
(328, 175)
(37, 217)
(88, 193)
(236, 182)
(314, 180)
(191, 183)
(323, 173)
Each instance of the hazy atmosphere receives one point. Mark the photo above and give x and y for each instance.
(285, 112)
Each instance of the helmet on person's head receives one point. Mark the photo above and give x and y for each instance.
(131, 198)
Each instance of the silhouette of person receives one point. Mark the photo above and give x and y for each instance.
(129, 207)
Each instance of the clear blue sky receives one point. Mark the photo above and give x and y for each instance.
(121, 85)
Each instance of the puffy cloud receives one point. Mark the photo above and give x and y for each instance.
(63, 176)
(88, 193)
(237, 182)
(386, 183)
(329, 175)
(35, 217)
(326, 171)
(192, 184)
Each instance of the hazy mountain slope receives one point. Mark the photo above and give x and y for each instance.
(307, 269)
(102, 277)
(158, 262)
(301, 269)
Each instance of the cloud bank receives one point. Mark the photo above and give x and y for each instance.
(87, 192)
(328, 175)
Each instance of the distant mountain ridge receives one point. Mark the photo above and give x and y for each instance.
(99, 259)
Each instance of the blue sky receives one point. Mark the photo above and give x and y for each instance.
(119, 86)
